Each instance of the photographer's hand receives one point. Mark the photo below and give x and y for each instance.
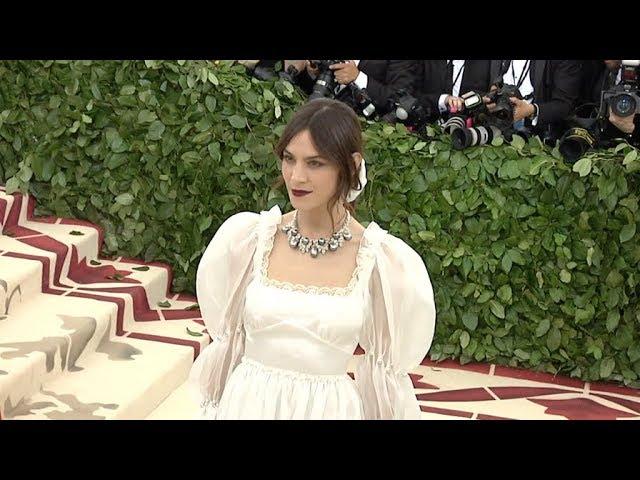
(491, 106)
(455, 104)
(624, 124)
(521, 109)
(345, 73)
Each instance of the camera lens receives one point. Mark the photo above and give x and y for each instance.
(462, 138)
(575, 143)
(453, 123)
(623, 105)
(323, 87)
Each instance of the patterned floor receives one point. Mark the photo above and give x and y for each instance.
(83, 337)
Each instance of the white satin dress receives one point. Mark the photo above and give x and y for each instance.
(281, 351)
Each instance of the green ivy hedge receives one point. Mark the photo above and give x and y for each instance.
(534, 262)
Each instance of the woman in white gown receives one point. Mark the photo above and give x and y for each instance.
(287, 298)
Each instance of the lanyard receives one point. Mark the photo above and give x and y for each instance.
(523, 73)
(457, 76)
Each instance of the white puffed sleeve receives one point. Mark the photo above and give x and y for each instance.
(397, 332)
(220, 287)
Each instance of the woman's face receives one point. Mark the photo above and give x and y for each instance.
(310, 179)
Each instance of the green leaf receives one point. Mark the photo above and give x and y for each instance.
(556, 294)
(470, 320)
(13, 184)
(485, 296)
(75, 232)
(419, 185)
(426, 235)
(506, 263)
(517, 142)
(213, 79)
(496, 308)
(194, 334)
(582, 166)
(195, 306)
(627, 232)
(633, 352)
(613, 318)
(124, 199)
(165, 211)
(516, 257)
(504, 293)
(240, 158)
(606, 367)
(525, 211)
(237, 121)
(553, 339)
(614, 279)
(464, 339)
(211, 103)
(630, 157)
(205, 223)
(146, 116)
(497, 248)
(156, 129)
(565, 276)
(94, 262)
(543, 327)
(164, 304)
(143, 268)
(417, 222)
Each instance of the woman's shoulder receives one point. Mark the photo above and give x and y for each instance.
(241, 221)
(390, 246)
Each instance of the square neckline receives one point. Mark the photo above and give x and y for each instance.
(311, 289)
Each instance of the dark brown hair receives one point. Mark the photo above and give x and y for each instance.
(336, 134)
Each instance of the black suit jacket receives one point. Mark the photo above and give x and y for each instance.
(385, 77)
(432, 80)
(556, 87)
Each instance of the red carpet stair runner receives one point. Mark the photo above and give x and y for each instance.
(83, 337)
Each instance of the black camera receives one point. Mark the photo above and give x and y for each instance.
(623, 98)
(409, 110)
(362, 101)
(326, 82)
(503, 111)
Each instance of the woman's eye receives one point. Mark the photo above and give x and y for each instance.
(315, 163)
(287, 158)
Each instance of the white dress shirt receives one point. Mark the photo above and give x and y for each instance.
(513, 76)
(458, 71)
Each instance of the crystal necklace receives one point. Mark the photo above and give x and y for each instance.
(317, 246)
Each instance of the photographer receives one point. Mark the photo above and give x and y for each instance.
(549, 89)
(440, 83)
(616, 126)
(380, 78)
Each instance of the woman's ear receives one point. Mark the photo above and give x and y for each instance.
(357, 159)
